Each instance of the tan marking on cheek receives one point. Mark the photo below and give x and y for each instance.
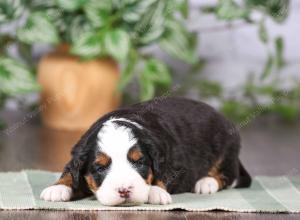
(102, 159)
(149, 179)
(66, 180)
(215, 173)
(160, 184)
(91, 183)
(135, 154)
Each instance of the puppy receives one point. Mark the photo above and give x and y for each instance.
(145, 152)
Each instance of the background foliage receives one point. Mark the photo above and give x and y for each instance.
(121, 29)
(281, 101)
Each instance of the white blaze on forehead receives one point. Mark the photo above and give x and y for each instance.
(114, 139)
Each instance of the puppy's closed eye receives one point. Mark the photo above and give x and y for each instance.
(139, 163)
(100, 168)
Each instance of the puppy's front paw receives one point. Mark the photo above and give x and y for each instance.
(57, 193)
(157, 195)
(206, 185)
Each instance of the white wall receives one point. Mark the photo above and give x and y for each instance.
(233, 52)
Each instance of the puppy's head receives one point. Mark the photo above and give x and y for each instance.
(119, 170)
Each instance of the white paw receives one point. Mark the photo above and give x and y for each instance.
(206, 185)
(57, 193)
(159, 196)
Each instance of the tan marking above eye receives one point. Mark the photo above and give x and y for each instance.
(102, 159)
(135, 154)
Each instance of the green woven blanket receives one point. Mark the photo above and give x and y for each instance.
(21, 190)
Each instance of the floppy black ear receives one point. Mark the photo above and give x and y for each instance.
(156, 153)
(80, 153)
(77, 165)
(159, 164)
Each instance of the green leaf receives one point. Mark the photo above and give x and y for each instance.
(4, 73)
(184, 7)
(117, 44)
(287, 112)
(230, 10)
(78, 26)
(15, 78)
(151, 25)
(88, 45)
(10, 10)
(38, 28)
(279, 60)
(179, 43)
(181, 6)
(268, 67)
(134, 12)
(70, 5)
(123, 4)
(208, 9)
(157, 71)
(58, 19)
(210, 88)
(130, 2)
(2, 124)
(40, 4)
(98, 12)
(236, 110)
(154, 73)
(266, 90)
(128, 72)
(147, 87)
(262, 31)
(277, 9)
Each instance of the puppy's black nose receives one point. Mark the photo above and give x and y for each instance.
(124, 192)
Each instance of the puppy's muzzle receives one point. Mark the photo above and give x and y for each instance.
(125, 192)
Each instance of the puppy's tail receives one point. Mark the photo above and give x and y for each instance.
(244, 179)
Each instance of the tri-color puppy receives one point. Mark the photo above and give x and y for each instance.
(145, 152)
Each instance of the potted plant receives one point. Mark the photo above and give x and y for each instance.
(109, 37)
(98, 50)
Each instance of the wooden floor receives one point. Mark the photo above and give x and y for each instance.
(113, 215)
(269, 148)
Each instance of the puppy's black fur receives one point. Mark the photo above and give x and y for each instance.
(181, 140)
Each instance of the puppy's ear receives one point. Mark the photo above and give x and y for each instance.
(77, 166)
(158, 163)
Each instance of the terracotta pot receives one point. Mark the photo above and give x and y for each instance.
(76, 93)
